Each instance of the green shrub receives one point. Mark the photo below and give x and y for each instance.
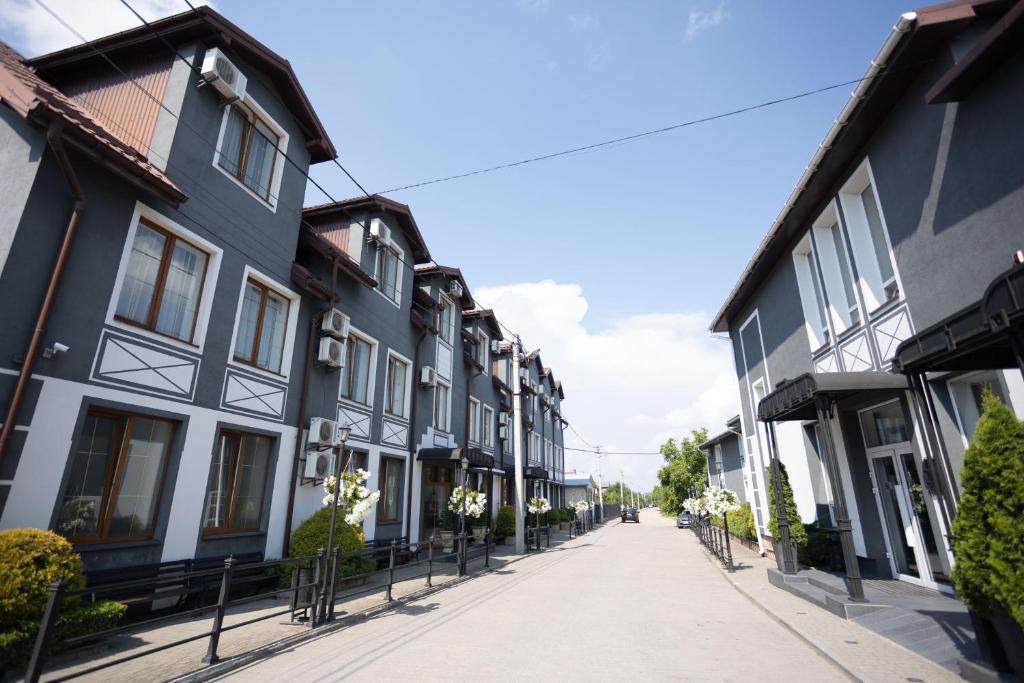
(818, 550)
(505, 523)
(312, 535)
(797, 533)
(987, 532)
(30, 560)
(741, 523)
(16, 642)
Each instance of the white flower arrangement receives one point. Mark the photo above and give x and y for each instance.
(475, 503)
(581, 506)
(355, 499)
(539, 506)
(695, 506)
(718, 501)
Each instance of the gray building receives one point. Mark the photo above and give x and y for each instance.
(906, 214)
(149, 224)
(725, 460)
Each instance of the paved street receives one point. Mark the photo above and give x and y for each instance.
(637, 601)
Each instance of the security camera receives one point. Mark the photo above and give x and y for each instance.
(55, 349)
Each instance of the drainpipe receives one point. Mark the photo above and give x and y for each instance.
(53, 137)
(306, 363)
(412, 436)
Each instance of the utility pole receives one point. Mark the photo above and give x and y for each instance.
(622, 496)
(600, 482)
(517, 449)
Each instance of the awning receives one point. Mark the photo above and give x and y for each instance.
(476, 457)
(795, 399)
(978, 337)
(530, 472)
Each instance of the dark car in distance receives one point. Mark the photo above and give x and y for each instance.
(684, 520)
(630, 514)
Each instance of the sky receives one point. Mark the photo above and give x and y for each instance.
(611, 261)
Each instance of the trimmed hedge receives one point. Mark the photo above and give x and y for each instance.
(741, 523)
(505, 523)
(30, 560)
(311, 535)
(797, 532)
(987, 532)
(16, 643)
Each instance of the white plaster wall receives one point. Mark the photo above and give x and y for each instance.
(21, 147)
(851, 499)
(793, 454)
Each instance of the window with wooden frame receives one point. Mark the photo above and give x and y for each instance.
(261, 327)
(389, 506)
(488, 427)
(355, 374)
(441, 407)
(248, 149)
(116, 477)
(474, 420)
(238, 480)
(445, 323)
(163, 283)
(388, 267)
(481, 350)
(398, 374)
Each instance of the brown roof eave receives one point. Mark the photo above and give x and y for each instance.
(378, 203)
(345, 263)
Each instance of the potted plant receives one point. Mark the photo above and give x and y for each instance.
(987, 532)
(473, 504)
(505, 524)
(537, 507)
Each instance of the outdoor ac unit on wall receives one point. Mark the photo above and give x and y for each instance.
(331, 353)
(455, 288)
(503, 432)
(495, 347)
(428, 376)
(380, 232)
(319, 465)
(322, 433)
(335, 323)
(223, 75)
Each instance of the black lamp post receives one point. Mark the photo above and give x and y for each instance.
(462, 515)
(343, 433)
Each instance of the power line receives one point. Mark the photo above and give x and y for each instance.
(626, 138)
(604, 452)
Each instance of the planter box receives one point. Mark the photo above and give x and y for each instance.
(1001, 643)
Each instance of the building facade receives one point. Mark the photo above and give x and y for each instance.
(906, 214)
(725, 460)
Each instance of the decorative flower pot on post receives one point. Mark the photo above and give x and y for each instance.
(479, 533)
(448, 540)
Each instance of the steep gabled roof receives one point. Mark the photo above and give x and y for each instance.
(372, 203)
(489, 319)
(431, 269)
(212, 28)
(39, 102)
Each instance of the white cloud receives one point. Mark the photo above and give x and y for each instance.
(582, 22)
(534, 5)
(37, 32)
(630, 386)
(701, 21)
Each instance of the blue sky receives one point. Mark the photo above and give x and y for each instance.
(641, 241)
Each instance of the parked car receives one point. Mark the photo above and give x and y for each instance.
(631, 514)
(684, 520)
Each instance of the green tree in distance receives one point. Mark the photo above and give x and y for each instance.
(685, 472)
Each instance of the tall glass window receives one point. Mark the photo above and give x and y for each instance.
(237, 481)
(355, 375)
(261, 327)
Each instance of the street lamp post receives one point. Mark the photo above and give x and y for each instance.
(343, 432)
(462, 515)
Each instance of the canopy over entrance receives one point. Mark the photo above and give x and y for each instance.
(530, 472)
(476, 457)
(795, 399)
(986, 335)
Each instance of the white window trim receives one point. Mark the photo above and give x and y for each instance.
(251, 273)
(803, 261)
(487, 436)
(446, 428)
(485, 349)
(214, 256)
(828, 254)
(474, 424)
(399, 272)
(443, 300)
(869, 277)
(757, 462)
(279, 155)
(407, 399)
(371, 381)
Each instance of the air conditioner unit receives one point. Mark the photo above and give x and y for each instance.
(503, 418)
(428, 376)
(331, 353)
(319, 465)
(455, 288)
(495, 347)
(535, 387)
(380, 232)
(223, 75)
(524, 374)
(503, 432)
(322, 432)
(335, 323)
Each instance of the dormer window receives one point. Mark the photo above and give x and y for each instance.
(248, 150)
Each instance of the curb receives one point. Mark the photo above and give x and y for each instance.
(811, 644)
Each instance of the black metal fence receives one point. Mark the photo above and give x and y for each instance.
(313, 587)
(714, 538)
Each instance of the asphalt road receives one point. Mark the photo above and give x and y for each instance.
(627, 602)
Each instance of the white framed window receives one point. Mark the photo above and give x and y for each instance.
(869, 237)
(967, 391)
(398, 393)
(474, 420)
(358, 374)
(488, 427)
(265, 322)
(165, 282)
(442, 406)
(250, 150)
(482, 350)
(388, 270)
(836, 268)
(811, 296)
(446, 320)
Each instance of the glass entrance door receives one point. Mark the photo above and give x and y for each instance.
(893, 503)
(923, 516)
